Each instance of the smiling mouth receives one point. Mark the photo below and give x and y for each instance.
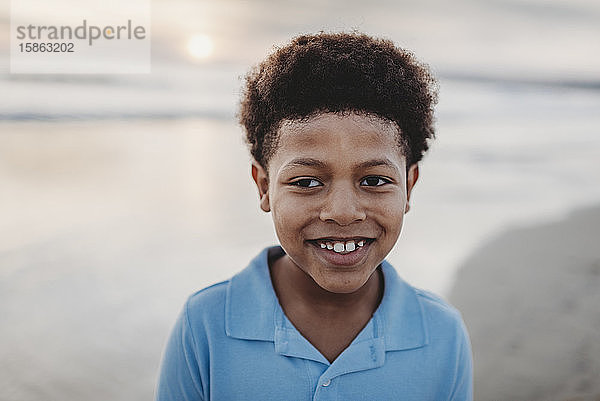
(342, 246)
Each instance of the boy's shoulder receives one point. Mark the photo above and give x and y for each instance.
(428, 302)
(429, 316)
(207, 304)
(240, 307)
(212, 295)
(434, 302)
(251, 278)
(442, 318)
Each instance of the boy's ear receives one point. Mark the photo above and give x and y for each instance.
(259, 175)
(411, 179)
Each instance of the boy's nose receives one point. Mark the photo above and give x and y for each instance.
(343, 207)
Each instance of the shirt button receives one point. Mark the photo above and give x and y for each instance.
(327, 383)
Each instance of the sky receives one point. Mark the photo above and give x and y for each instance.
(527, 38)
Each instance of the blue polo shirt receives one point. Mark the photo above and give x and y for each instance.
(232, 341)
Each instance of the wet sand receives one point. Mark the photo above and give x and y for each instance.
(531, 300)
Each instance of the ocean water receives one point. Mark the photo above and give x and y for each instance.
(121, 195)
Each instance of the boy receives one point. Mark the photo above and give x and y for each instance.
(337, 124)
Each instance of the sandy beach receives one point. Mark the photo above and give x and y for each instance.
(530, 299)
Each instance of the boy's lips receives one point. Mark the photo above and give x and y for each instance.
(341, 244)
(342, 251)
(336, 238)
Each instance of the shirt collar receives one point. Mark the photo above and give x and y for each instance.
(251, 302)
(401, 311)
(252, 310)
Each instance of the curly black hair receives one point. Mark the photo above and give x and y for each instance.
(339, 73)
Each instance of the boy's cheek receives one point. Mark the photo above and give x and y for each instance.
(292, 212)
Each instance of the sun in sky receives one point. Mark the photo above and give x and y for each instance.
(200, 46)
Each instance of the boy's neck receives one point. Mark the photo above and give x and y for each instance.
(295, 289)
(329, 321)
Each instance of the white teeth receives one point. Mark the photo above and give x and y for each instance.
(338, 247)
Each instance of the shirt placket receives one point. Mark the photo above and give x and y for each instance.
(359, 356)
(367, 351)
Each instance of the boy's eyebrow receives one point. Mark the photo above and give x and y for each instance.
(304, 161)
(310, 162)
(378, 162)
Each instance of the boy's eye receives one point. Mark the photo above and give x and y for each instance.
(374, 181)
(306, 183)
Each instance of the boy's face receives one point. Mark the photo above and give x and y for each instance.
(337, 188)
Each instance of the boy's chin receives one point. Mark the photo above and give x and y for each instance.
(341, 285)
